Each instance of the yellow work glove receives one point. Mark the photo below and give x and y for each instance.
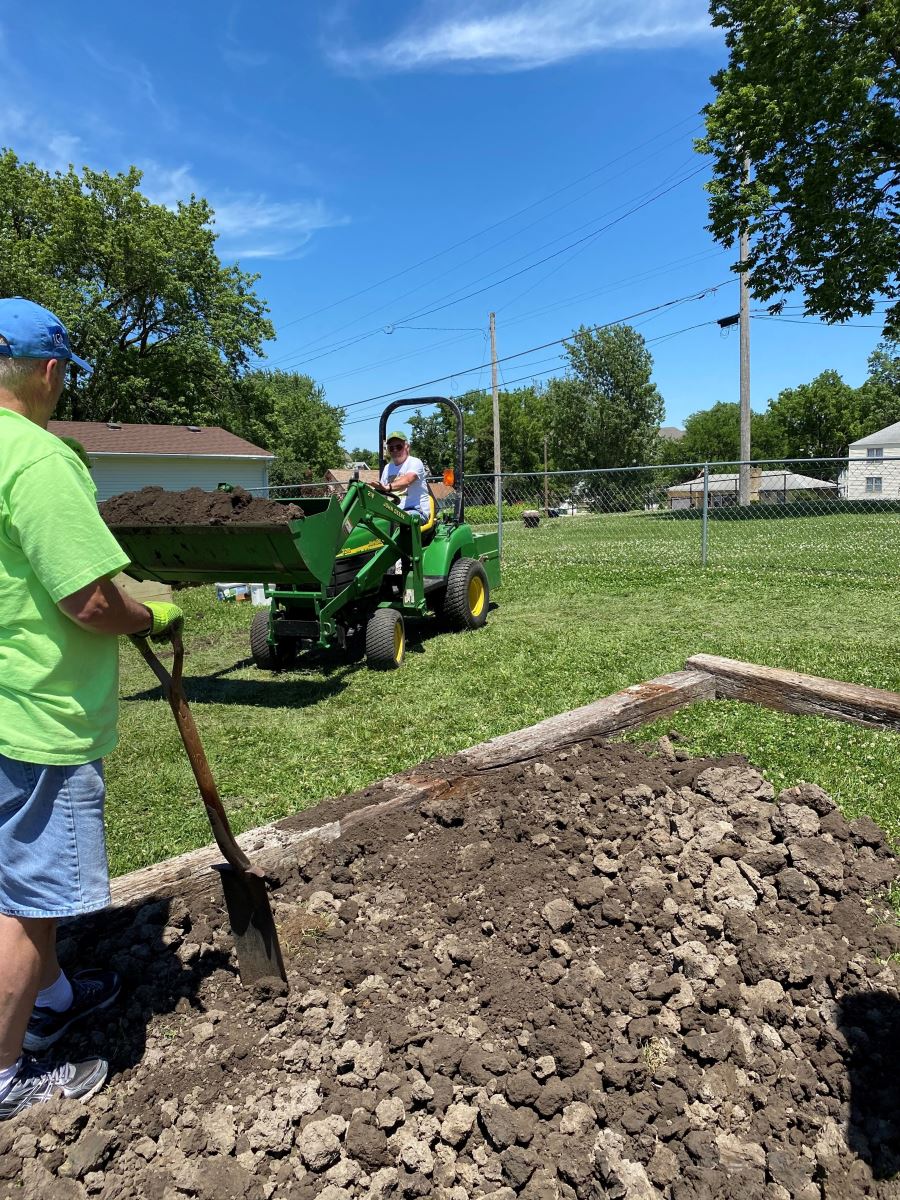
(166, 619)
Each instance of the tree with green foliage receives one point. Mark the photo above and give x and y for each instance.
(524, 421)
(816, 419)
(607, 412)
(811, 96)
(432, 438)
(878, 400)
(166, 325)
(714, 435)
(358, 455)
(287, 414)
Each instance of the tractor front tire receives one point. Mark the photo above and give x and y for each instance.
(468, 595)
(263, 654)
(385, 640)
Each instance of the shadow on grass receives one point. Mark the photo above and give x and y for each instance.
(163, 952)
(285, 690)
(316, 675)
(870, 1021)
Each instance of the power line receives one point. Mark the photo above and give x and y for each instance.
(495, 225)
(616, 284)
(812, 321)
(586, 238)
(692, 296)
(663, 337)
(362, 369)
(317, 351)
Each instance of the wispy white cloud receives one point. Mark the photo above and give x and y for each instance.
(235, 50)
(524, 35)
(240, 57)
(136, 74)
(34, 140)
(249, 225)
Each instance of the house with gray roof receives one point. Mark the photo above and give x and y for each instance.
(873, 469)
(766, 487)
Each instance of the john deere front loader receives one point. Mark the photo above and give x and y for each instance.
(355, 568)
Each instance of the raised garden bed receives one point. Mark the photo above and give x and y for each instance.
(593, 973)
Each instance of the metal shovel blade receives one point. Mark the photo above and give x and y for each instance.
(244, 885)
(252, 924)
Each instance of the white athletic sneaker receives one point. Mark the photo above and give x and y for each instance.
(36, 1082)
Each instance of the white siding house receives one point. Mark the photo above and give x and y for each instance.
(873, 469)
(125, 458)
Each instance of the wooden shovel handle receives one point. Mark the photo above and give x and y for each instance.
(172, 690)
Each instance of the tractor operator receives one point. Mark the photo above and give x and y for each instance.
(404, 476)
(59, 616)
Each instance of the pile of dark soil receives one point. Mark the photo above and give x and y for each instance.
(600, 976)
(155, 506)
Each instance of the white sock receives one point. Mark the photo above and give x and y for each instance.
(7, 1075)
(57, 996)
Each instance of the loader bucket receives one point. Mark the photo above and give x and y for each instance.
(301, 552)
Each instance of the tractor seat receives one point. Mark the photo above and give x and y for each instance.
(427, 529)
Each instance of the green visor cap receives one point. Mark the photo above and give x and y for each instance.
(396, 436)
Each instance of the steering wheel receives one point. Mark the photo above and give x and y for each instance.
(379, 487)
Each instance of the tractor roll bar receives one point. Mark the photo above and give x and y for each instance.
(419, 402)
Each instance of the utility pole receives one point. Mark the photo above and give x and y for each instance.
(495, 396)
(744, 478)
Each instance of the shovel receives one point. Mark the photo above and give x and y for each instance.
(244, 885)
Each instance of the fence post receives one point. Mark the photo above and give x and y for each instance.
(704, 537)
(498, 495)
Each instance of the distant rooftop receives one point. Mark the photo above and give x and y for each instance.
(769, 481)
(113, 437)
(889, 436)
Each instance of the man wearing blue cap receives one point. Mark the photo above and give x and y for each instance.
(59, 614)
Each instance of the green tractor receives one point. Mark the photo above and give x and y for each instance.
(352, 571)
(379, 568)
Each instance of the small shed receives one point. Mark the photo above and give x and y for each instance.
(766, 487)
(338, 479)
(125, 458)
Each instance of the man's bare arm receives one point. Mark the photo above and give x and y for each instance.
(104, 608)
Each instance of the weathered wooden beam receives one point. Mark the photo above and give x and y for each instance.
(190, 875)
(268, 846)
(804, 695)
(609, 717)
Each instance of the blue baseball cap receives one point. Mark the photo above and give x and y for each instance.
(34, 332)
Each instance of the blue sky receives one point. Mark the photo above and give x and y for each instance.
(396, 171)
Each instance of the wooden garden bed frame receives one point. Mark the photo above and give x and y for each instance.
(705, 677)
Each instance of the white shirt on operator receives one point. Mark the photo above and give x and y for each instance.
(415, 498)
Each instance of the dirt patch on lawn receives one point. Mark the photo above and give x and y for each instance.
(155, 506)
(598, 975)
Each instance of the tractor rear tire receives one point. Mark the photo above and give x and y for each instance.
(263, 654)
(468, 595)
(385, 640)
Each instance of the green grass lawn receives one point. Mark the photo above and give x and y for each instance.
(587, 606)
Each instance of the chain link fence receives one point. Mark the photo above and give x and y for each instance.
(836, 514)
(824, 514)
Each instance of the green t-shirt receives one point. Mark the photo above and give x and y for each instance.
(58, 682)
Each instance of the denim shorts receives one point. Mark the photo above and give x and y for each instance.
(52, 841)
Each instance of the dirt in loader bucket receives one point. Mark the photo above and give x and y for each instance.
(155, 506)
(597, 975)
